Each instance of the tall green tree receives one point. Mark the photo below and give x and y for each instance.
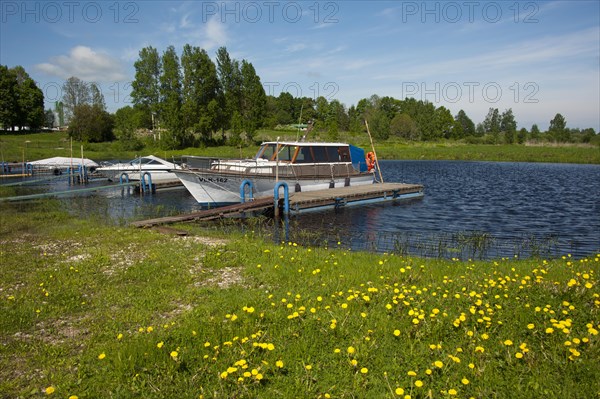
(508, 125)
(535, 132)
(91, 124)
(75, 92)
(170, 101)
(491, 124)
(200, 91)
(466, 124)
(254, 100)
(9, 107)
(145, 88)
(404, 126)
(558, 129)
(96, 97)
(60, 112)
(30, 100)
(230, 80)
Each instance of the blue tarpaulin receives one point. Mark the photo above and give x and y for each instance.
(358, 158)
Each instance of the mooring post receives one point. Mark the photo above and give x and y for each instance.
(243, 191)
(286, 198)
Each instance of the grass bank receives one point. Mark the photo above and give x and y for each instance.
(16, 148)
(94, 311)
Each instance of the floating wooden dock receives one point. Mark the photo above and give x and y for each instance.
(303, 202)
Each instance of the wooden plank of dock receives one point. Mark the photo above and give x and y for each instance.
(213, 213)
(338, 196)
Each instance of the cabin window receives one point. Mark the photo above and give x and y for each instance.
(332, 154)
(320, 154)
(267, 152)
(304, 155)
(286, 153)
(344, 154)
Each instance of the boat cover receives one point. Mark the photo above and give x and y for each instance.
(358, 158)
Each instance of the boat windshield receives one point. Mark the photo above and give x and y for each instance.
(145, 161)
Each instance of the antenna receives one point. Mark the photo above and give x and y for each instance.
(299, 121)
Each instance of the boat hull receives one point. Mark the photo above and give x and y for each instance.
(215, 188)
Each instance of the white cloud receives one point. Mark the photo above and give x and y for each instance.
(215, 34)
(86, 64)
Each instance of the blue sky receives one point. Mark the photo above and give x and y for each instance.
(536, 57)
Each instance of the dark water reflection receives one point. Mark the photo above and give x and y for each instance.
(470, 210)
(478, 209)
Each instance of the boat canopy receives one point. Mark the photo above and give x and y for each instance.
(306, 152)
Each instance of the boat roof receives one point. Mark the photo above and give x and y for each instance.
(306, 143)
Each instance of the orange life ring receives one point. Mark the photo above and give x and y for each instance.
(370, 158)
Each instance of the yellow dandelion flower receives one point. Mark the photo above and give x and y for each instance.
(73, 397)
(336, 350)
(279, 364)
(351, 350)
(150, 329)
(102, 356)
(465, 381)
(549, 330)
(50, 390)
(223, 375)
(396, 333)
(452, 391)
(508, 342)
(519, 355)
(160, 344)
(530, 326)
(399, 391)
(308, 367)
(412, 373)
(354, 362)
(174, 355)
(439, 364)
(364, 370)
(418, 383)
(120, 336)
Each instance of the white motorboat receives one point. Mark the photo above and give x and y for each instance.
(158, 168)
(303, 166)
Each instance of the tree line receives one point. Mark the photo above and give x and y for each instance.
(190, 100)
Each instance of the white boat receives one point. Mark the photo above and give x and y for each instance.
(158, 168)
(303, 166)
(59, 164)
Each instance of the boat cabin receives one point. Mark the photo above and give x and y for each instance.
(305, 152)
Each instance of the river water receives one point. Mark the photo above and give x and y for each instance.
(470, 210)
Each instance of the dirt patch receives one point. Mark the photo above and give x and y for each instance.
(223, 278)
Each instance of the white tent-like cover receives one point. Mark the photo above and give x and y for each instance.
(63, 162)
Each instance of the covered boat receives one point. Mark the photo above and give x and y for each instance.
(159, 169)
(303, 166)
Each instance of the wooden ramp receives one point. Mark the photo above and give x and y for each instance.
(208, 214)
(303, 202)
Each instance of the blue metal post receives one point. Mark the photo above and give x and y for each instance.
(286, 198)
(243, 190)
(143, 182)
(126, 178)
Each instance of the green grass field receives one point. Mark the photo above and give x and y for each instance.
(97, 311)
(16, 148)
